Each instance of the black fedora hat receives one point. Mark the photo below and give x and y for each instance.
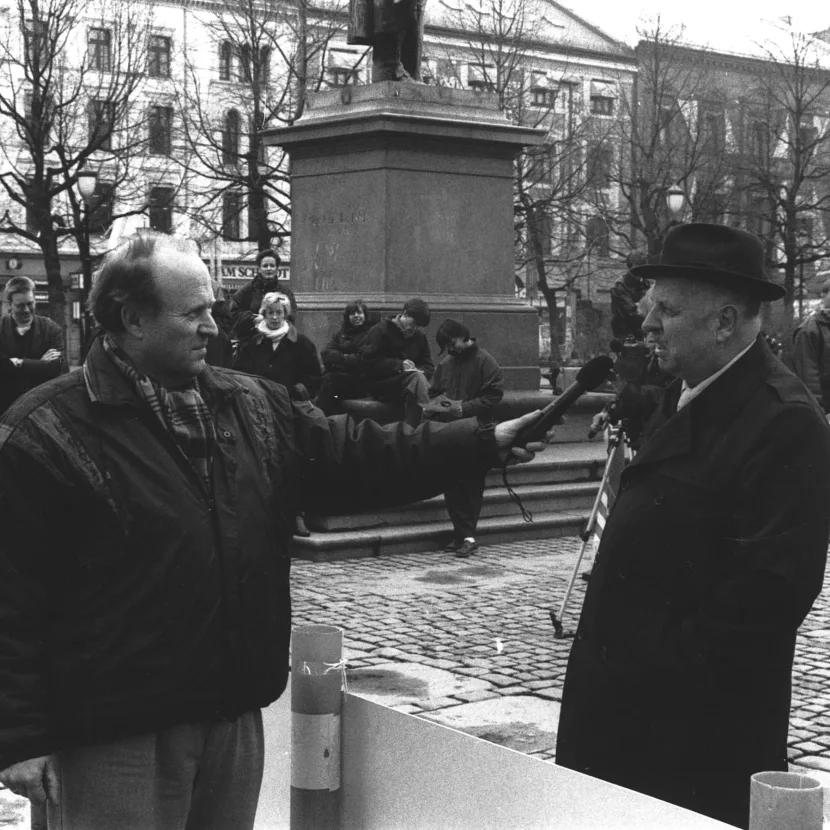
(715, 254)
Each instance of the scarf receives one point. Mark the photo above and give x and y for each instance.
(182, 412)
(274, 335)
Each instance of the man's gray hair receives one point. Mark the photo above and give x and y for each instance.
(18, 285)
(126, 278)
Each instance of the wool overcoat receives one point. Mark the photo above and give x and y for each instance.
(678, 683)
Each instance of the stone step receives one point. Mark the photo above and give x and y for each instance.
(386, 541)
(536, 498)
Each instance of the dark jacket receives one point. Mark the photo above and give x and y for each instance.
(474, 378)
(295, 361)
(43, 335)
(246, 301)
(626, 320)
(811, 355)
(342, 352)
(678, 683)
(385, 348)
(133, 599)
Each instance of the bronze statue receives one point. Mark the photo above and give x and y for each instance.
(395, 31)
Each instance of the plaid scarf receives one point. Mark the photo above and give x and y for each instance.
(182, 412)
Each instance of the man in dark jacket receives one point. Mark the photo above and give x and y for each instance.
(396, 360)
(33, 344)
(344, 376)
(678, 683)
(811, 351)
(626, 293)
(467, 383)
(148, 504)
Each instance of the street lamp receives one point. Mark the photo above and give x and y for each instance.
(675, 197)
(87, 182)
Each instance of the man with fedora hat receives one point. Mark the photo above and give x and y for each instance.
(678, 683)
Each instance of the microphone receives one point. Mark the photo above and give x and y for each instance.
(591, 375)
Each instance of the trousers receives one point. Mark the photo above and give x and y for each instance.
(201, 776)
(463, 501)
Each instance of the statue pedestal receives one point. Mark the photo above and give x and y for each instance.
(403, 190)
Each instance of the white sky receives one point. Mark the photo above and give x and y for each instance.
(712, 21)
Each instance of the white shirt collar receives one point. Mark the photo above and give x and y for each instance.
(688, 393)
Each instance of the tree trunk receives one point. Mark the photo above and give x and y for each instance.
(534, 227)
(52, 263)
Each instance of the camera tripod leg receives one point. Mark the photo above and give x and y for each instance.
(556, 621)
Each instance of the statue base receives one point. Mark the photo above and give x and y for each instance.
(402, 190)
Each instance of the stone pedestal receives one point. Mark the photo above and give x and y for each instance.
(403, 190)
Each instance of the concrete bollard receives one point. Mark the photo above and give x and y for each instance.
(316, 705)
(785, 801)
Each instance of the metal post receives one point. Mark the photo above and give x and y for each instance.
(316, 704)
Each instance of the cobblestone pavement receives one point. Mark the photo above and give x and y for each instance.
(486, 619)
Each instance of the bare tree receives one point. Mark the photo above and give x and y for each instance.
(672, 126)
(502, 41)
(67, 104)
(783, 172)
(270, 55)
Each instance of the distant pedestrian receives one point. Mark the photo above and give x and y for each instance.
(811, 350)
(344, 375)
(34, 344)
(467, 383)
(678, 681)
(396, 359)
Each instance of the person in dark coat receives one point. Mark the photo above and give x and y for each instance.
(246, 301)
(811, 350)
(32, 343)
(626, 293)
(147, 504)
(396, 360)
(678, 682)
(343, 377)
(220, 348)
(273, 349)
(467, 383)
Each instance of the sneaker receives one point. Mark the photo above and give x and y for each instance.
(452, 547)
(466, 548)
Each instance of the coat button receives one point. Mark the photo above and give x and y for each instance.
(658, 499)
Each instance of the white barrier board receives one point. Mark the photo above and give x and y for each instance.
(406, 772)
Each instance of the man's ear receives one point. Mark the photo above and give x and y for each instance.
(131, 317)
(728, 320)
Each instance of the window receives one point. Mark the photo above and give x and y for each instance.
(759, 139)
(160, 204)
(245, 75)
(231, 209)
(38, 113)
(540, 166)
(99, 47)
(712, 129)
(602, 105)
(804, 228)
(161, 131)
(255, 144)
(262, 71)
(342, 77)
(596, 237)
(35, 37)
(101, 115)
(480, 77)
(100, 217)
(807, 137)
(158, 56)
(230, 137)
(543, 97)
(599, 164)
(225, 53)
(481, 86)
